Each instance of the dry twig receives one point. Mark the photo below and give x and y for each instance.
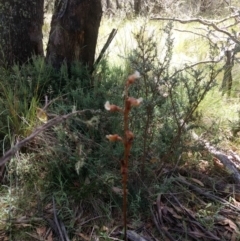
(50, 123)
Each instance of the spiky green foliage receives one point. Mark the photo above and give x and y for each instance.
(171, 96)
(21, 91)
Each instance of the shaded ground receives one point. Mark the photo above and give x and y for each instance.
(196, 203)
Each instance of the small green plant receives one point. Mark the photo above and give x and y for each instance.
(127, 138)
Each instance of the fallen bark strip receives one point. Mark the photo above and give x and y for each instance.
(230, 167)
(223, 158)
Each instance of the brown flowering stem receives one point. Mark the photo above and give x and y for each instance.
(127, 142)
(124, 164)
(127, 138)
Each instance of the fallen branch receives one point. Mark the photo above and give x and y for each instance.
(197, 34)
(50, 123)
(223, 158)
(105, 47)
(60, 234)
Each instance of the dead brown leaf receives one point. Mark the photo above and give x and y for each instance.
(117, 190)
(41, 231)
(50, 236)
(230, 223)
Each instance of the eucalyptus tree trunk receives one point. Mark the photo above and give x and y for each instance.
(118, 5)
(20, 30)
(227, 77)
(74, 32)
(137, 6)
(108, 4)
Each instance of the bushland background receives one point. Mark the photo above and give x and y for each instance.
(61, 177)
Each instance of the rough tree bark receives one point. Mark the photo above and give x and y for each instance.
(20, 30)
(74, 32)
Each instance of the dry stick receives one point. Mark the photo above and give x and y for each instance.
(56, 221)
(160, 228)
(193, 65)
(91, 219)
(193, 219)
(64, 231)
(51, 101)
(207, 194)
(223, 158)
(40, 129)
(212, 24)
(198, 34)
(105, 47)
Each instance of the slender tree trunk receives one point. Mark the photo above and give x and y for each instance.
(108, 4)
(137, 6)
(20, 30)
(227, 77)
(74, 32)
(118, 5)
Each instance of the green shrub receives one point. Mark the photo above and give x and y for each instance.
(171, 96)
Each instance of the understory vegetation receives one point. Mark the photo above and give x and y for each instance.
(66, 183)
